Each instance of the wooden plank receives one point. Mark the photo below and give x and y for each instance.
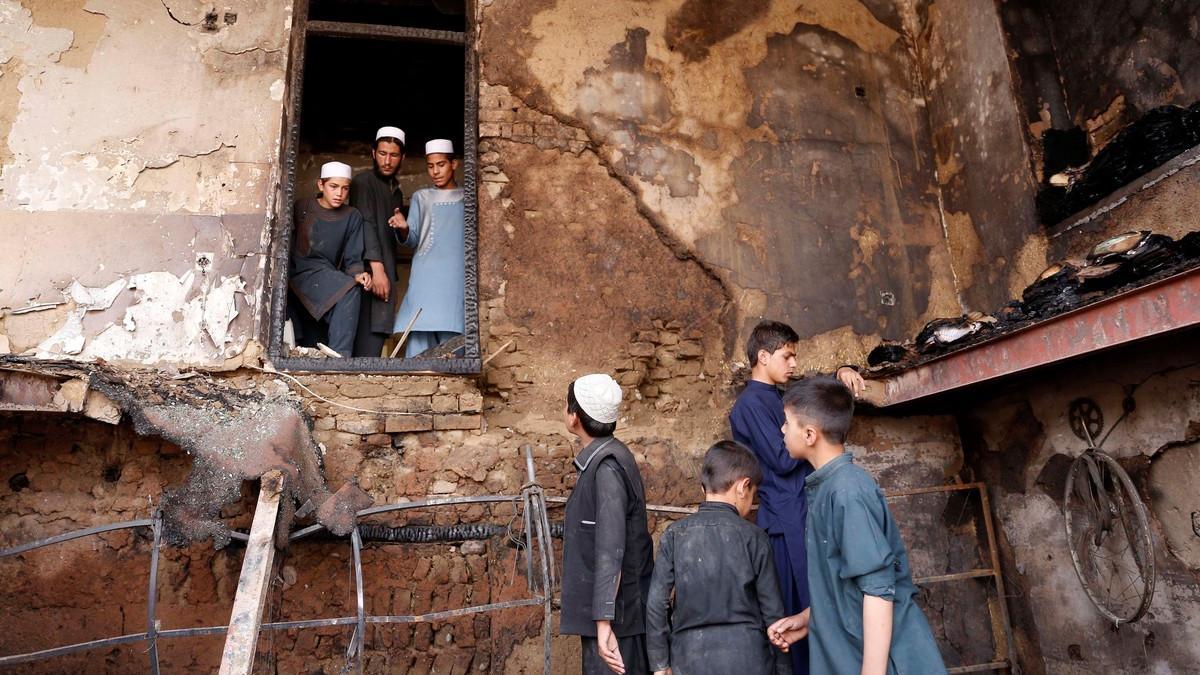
(242, 639)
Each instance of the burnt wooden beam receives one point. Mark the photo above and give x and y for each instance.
(345, 29)
(244, 622)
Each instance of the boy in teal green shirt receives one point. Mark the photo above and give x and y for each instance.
(862, 618)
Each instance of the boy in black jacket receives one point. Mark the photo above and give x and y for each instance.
(721, 570)
(607, 550)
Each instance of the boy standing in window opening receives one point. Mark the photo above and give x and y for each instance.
(608, 556)
(756, 421)
(858, 573)
(434, 230)
(718, 567)
(377, 195)
(326, 262)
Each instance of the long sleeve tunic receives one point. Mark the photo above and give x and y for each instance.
(756, 421)
(327, 250)
(377, 199)
(437, 283)
(720, 571)
(855, 550)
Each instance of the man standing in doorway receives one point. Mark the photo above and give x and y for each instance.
(377, 195)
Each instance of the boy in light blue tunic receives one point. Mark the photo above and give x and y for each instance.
(863, 618)
(434, 230)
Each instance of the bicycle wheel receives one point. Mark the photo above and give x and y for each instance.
(1108, 535)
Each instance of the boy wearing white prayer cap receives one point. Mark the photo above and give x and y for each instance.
(325, 268)
(434, 230)
(377, 195)
(608, 556)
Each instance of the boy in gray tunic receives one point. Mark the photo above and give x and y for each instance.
(720, 568)
(863, 618)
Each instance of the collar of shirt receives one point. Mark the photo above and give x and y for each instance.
(717, 506)
(826, 471)
(755, 384)
(589, 451)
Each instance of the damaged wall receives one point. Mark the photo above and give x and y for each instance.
(782, 147)
(987, 189)
(138, 150)
(1020, 442)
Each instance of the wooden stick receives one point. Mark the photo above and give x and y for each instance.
(497, 352)
(404, 337)
(241, 641)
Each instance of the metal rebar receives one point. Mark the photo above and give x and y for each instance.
(70, 649)
(76, 534)
(979, 667)
(360, 629)
(994, 554)
(957, 576)
(152, 596)
(454, 613)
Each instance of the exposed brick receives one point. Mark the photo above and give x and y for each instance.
(400, 424)
(668, 338)
(448, 422)
(647, 336)
(660, 373)
(630, 378)
(690, 349)
(382, 440)
(414, 387)
(444, 403)
(455, 385)
(522, 129)
(641, 349)
(471, 401)
(489, 129)
(689, 368)
(359, 425)
(363, 389)
(323, 423)
(442, 487)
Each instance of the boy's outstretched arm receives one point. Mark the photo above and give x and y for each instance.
(658, 607)
(877, 634)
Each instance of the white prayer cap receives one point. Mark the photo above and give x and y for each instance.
(335, 170)
(599, 396)
(390, 132)
(439, 145)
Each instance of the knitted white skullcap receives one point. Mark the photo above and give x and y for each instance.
(599, 396)
(439, 145)
(335, 170)
(390, 132)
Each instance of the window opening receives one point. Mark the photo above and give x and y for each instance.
(358, 66)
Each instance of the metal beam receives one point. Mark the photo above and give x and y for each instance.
(246, 618)
(1155, 309)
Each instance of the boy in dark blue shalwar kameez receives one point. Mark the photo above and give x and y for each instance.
(756, 421)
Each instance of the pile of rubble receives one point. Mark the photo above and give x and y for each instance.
(1115, 265)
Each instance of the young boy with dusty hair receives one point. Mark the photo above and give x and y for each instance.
(719, 568)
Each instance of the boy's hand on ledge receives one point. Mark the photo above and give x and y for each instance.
(853, 381)
(786, 631)
(606, 642)
(665, 671)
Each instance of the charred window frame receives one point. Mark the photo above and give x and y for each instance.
(302, 29)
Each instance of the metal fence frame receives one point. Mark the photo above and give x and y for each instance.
(539, 569)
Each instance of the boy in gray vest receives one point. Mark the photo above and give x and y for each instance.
(607, 550)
